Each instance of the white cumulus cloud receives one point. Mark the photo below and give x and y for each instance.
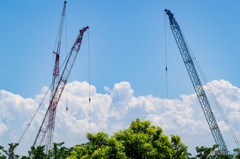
(115, 110)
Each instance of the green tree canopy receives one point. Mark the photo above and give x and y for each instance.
(141, 140)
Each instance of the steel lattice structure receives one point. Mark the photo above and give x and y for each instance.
(52, 113)
(48, 125)
(188, 61)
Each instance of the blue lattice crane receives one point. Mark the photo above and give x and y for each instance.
(188, 61)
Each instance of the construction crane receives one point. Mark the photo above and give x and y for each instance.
(48, 122)
(188, 61)
(52, 113)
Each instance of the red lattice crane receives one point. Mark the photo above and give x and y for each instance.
(46, 131)
(52, 113)
(47, 125)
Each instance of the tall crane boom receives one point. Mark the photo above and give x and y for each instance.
(56, 66)
(48, 125)
(52, 113)
(188, 61)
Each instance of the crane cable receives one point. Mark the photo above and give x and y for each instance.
(66, 98)
(166, 58)
(33, 117)
(213, 96)
(39, 106)
(66, 54)
(37, 109)
(166, 68)
(89, 83)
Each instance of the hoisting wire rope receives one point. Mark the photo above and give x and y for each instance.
(166, 68)
(65, 32)
(166, 58)
(213, 95)
(66, 98)
(168, 102)
(66, 54)
(55, 44)
(89, 82)
(33, 116)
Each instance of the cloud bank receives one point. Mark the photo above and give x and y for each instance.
(114, 111)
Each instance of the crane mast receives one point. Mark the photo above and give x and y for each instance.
(48, 124)
(188, 61)
(51, 114)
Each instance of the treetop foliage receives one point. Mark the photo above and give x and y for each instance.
(141, 140)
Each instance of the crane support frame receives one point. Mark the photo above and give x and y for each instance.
(192, 72)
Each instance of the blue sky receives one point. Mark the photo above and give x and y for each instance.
(127, 43)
